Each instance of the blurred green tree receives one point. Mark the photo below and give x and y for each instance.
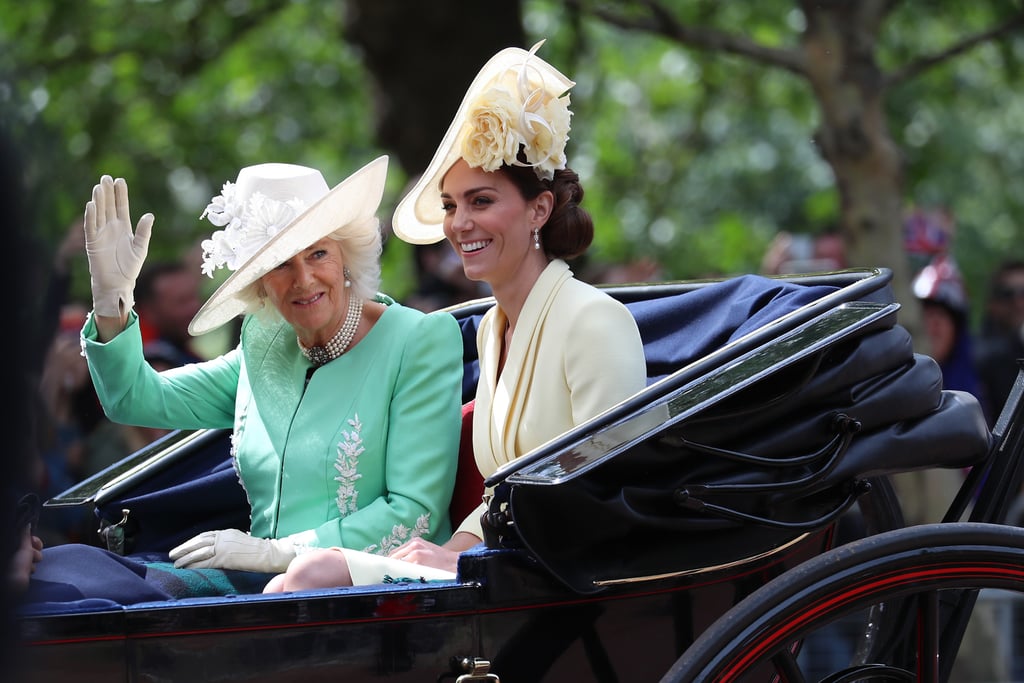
(824, 113)
(702, 128)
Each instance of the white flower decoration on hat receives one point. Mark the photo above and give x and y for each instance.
(518, 110)
(247, 227)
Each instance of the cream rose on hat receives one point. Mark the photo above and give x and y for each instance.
(517, 100)
(515, 113)
(271, 213)
(492, 136)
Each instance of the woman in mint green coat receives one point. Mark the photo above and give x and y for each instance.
(344, 405)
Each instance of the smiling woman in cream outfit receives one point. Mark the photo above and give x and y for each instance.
(344, 405)
(554, 351)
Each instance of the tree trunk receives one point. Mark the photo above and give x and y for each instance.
(423, 56)
(854, 139)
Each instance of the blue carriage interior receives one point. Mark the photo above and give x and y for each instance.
(768, 403)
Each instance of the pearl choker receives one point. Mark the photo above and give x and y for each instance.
(319, 355)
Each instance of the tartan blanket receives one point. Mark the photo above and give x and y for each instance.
(195, 583)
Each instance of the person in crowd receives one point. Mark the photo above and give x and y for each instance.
(166, 300)
(499, 189)
(791, 253)
(1004, 308)
(928, 237)
(344, 405)
(67, 413)
(65, 408)
(56, 300)
(945, 311)
(1001, 342)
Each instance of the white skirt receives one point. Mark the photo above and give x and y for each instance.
(367, 569)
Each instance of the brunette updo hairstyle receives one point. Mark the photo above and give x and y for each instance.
(569, 229)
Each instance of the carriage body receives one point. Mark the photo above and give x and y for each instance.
(654, 561)
(511, 614)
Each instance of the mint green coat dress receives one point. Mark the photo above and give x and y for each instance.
(362, 456)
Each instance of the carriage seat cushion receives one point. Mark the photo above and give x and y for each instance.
(469, 484)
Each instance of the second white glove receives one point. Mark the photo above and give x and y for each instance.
(234, 549)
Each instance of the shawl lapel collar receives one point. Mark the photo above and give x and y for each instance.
(511, 390)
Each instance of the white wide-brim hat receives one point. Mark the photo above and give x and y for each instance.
(266, 192)
(419, 216)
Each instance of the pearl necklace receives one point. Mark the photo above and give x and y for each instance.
(319, 355)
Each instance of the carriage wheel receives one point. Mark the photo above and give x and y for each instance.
(930, 569)
(877, 512)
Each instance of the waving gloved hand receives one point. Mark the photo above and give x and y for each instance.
(234, 549)
(115, 254)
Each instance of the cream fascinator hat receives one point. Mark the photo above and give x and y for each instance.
(270, 214)
(517, 99)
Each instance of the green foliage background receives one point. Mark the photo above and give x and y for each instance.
(695, 159)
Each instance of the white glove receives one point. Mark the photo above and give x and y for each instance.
(234, 549)
(115, 254)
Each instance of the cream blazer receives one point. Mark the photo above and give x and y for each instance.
(575, 352)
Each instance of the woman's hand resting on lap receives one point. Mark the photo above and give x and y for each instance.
(431, 555)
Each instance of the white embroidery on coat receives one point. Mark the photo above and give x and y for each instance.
(399, 535)
(236, 438)
(347, 463)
